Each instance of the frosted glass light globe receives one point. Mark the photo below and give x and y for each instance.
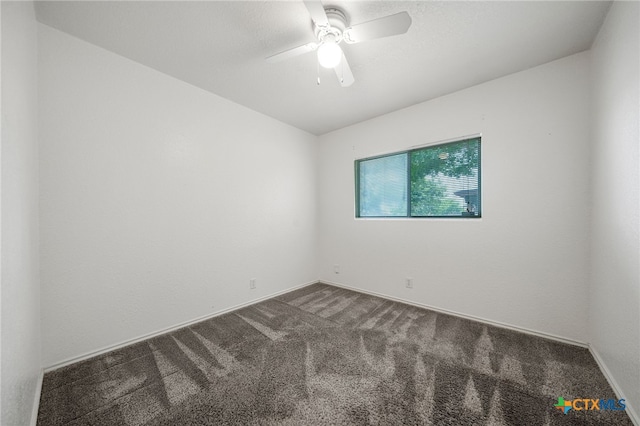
(329, 54)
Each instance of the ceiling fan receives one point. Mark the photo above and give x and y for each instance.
(332, 27)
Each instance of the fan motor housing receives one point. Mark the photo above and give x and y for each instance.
(337, 24)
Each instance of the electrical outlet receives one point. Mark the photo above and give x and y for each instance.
(336, 269)
(252, 283)
(408, 282)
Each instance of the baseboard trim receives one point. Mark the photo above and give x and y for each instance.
(465, 316)
(36, 399)
(128, 342)
(633, 415)
(631, 412)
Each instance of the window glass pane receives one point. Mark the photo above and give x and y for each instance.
(383, 186)
(445, 180)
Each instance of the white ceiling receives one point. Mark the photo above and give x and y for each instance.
(220, 46)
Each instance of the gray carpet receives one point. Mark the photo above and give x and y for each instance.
(323, 355)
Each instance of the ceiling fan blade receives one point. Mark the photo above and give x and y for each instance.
(316, 10)
(378, 28)
(343, 72)
(309, 47)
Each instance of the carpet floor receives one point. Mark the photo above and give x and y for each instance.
(323, 355)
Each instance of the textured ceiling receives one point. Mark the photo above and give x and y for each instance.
(220, 47)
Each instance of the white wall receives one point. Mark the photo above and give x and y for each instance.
(524, 263)
(159, 200)
(21, 352)
(614, 308)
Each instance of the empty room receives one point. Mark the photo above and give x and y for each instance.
(320, 213)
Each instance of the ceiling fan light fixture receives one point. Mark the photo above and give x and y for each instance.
(331, 27)
(329, 53)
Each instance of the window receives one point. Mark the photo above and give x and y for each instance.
(436, 181)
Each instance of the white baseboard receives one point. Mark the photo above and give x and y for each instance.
(631, 412)
(612, 382)
(465, 316)
(128, 342)
(633, 415)
(36, 399)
